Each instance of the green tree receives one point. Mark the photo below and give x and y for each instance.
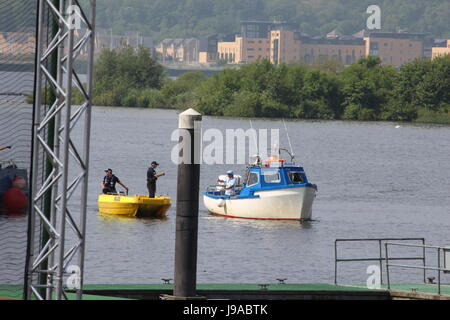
(116, 73)
(366, 86)
(433, 92)
(405, 103)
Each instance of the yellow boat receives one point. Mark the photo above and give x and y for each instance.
(138, 205)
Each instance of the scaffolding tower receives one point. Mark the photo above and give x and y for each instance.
(55, 265)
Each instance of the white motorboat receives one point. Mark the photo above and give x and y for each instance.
(277, 190)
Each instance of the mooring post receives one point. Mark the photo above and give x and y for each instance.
(185, 278)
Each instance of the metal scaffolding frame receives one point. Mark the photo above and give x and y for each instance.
(49, 258)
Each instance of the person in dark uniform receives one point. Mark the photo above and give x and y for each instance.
(4, 148)
(151, 179)
(109, 182)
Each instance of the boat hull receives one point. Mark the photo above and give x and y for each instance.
(282, 204)
(138, 206)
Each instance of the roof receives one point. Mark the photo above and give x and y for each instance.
(334, 34)
(397, 35)
(361, 34)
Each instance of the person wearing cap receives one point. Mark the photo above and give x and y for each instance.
(151, 179)
(109, 182)
(230, 183)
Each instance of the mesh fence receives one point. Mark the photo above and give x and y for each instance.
(17, 54)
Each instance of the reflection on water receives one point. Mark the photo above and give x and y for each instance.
(128, 219)
(258, 224)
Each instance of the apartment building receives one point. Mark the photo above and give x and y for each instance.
(178, 50)
(253, 43)
(207, 51)
(282, 43)
(395, 49)
(17, 43)
(441, 49)
(291, 47)
(244, 50)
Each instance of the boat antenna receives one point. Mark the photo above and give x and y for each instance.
(289, 141)
(254, 137)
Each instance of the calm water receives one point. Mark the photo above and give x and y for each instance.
(375, 180)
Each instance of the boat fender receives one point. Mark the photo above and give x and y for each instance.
(220, 203)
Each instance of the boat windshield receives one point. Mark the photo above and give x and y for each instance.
(271, 176)
(252, 179)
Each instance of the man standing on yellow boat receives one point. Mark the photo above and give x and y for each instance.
(109, 182)
(151, 179)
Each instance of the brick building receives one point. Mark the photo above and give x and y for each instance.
(282, 43)
(441, 49)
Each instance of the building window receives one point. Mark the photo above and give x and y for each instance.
(308, 58)
(275, 51)
(250, 49)
(373, 50)
(348, 59)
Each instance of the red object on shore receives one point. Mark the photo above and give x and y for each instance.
(15, 200)
(19, 183)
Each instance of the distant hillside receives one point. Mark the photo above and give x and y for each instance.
(186, 18)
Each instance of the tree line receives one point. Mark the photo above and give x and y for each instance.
(365, 90)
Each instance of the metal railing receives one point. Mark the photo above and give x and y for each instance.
(439, 267)
(380, 258)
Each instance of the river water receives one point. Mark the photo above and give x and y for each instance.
(374, 179)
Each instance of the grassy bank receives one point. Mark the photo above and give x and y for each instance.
(435, 117)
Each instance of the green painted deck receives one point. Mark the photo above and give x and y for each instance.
(11, 291)
(228, 286)
(15, 291)
(420, 287)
